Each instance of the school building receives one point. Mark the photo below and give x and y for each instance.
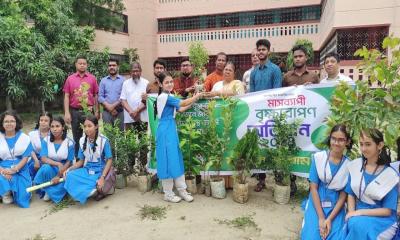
(164, 29)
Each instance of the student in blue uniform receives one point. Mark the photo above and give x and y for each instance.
(15, 149)
(324, 213)
(372, 191)
(87, 175)
(57, 153)
(41, 131)
(170, 168)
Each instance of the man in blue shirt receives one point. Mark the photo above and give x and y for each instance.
(109, 95)
(265, 75)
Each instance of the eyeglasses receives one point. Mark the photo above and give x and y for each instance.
(9, 122)
(338, 140)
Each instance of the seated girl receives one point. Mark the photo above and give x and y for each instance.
(372, 189)
(15, 149)
(57, 153)
(324, 213)
(87, 175)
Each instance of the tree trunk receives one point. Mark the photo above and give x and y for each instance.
(43, 107)
(8, 103)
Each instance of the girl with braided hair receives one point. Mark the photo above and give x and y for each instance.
(86, 177)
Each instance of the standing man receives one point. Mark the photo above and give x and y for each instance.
(159, 66)
(135, 116)
(185, 84)
(266, 75)
(217, 75)
(80, 92)
(246, 76)
(331, 65)
(299, 75)
(109, 94)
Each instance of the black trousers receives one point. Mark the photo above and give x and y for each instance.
(77, 119)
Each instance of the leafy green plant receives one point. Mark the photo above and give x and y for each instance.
(372, 107)
(198, 56)
(242, 222)
(124, 67)
(246, 155)
(279, 157)
(307, 44)
(217, 144)
(132, 54)
(125, 147)
(189, 136)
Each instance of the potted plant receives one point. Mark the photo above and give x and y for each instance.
(280, 156)
(198, 56)
(144, 177)
(123, 157)
(217, 144)
(189, 143)
(245, 158)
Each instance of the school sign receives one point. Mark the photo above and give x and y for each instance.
(310, 104)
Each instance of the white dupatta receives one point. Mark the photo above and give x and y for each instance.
(339, 180)
(20, 146)
(375, 190)
(62, 153)
(161, 102)
(89, 155)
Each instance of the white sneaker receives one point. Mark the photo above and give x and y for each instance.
(46, 197)
(186, 196)
(7, 198)
(172, 198)
(93, 192)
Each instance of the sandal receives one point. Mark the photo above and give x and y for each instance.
(259, 187)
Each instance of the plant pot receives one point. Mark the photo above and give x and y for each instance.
(144, 183)
(281, 194)
(218, 188)
(229, 181)
(240, 192)
(191, 185)
(121, 181)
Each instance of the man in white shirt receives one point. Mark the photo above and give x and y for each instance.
(135, 114)
(246, 76)
(331, 65)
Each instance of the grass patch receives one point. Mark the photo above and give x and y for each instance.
(241, 223)
(40, 237)
(152, 212)
(65, 203)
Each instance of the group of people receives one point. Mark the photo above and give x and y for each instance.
(47, 154)
(369, 185)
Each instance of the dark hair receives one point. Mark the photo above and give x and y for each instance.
(65, 128)
(332, 54)
(185, 59)
(161, 62)
(113, 60)
(43, 114)
(341, 128)
(161, 79)
(94, 120)
(231, 63)
(263, 42)
(221, 54)
(377, 136)
(80, 57)
(300, 48)
(18, 120)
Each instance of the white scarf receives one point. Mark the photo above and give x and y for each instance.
(339, 180)
(91, 156)
(20, 146)
(375, 190)
(161, 102)
(62, 153)
(36, 140)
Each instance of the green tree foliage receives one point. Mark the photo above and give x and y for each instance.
(198, 56)
(102, 14)
(366, 107)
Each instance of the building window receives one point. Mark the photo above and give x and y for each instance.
(251, 18)
(360, 77)
(350, 70)
(342, 70)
